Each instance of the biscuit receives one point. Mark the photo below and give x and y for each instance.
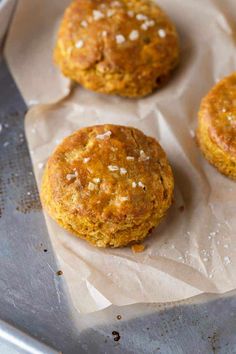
(216, 133)
(128, 48)
(108, 184)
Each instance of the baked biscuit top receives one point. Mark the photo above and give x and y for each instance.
(110, 173)
(219, 109)
(113, 35)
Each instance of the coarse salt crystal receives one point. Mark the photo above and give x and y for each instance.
(103, 6)
(130, 13)
(104, 33)
(71, 176)
(141, 17)
(97, 15)
(129, 158)
(104, 135)
(96, 180)
(120, 39)
(205, 259)
(84, 24)
(133, 35)
(223, 110)
(143, 156)
(150, 23)
(144, 26)
(141, 185)
(79, 44)
(161, 33)
(134, 184)
(123, 199)
(86, 159)
(92, 186)
(113, 168)
(123, 171)
(226, 246)
(110, 12)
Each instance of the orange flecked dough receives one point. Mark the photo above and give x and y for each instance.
(108, 184)
(216, 133)
(125, 47)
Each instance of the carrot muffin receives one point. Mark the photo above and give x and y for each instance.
(216, 132)
(124, 47)
(108, 184)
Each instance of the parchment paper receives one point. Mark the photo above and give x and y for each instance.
(194, 250)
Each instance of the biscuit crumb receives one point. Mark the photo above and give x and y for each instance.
(92, 186)
(59, 272)
(138, 248)
(120, 39)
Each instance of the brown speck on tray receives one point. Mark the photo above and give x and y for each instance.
(118, 317)
(138, 248)
(116, 336)
(181, 208)
(59, 272)
(45, 250)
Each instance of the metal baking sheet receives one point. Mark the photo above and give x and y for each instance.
(34, 298)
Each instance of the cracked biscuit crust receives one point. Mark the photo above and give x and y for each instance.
(119, 47)
(216, 132)
(107, 184)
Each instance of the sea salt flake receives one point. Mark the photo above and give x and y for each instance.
(86, 159)
(123, 171)
(120, 39)
(84, 24)
(79, 44)
(130, 13)
(96, 180)
(113, 168)
(92, 186)
(134, 184)
(130, 158)
(104, 135)
(110, 12)
(97, 15)
(133, 35)
(161, 33)
(141, 17)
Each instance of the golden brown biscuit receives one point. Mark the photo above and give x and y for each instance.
(216, 132)
(108, 184)
(124, 47)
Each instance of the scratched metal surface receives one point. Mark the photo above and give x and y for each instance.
(34, 299)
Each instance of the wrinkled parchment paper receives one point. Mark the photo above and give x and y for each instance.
(194, 250)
